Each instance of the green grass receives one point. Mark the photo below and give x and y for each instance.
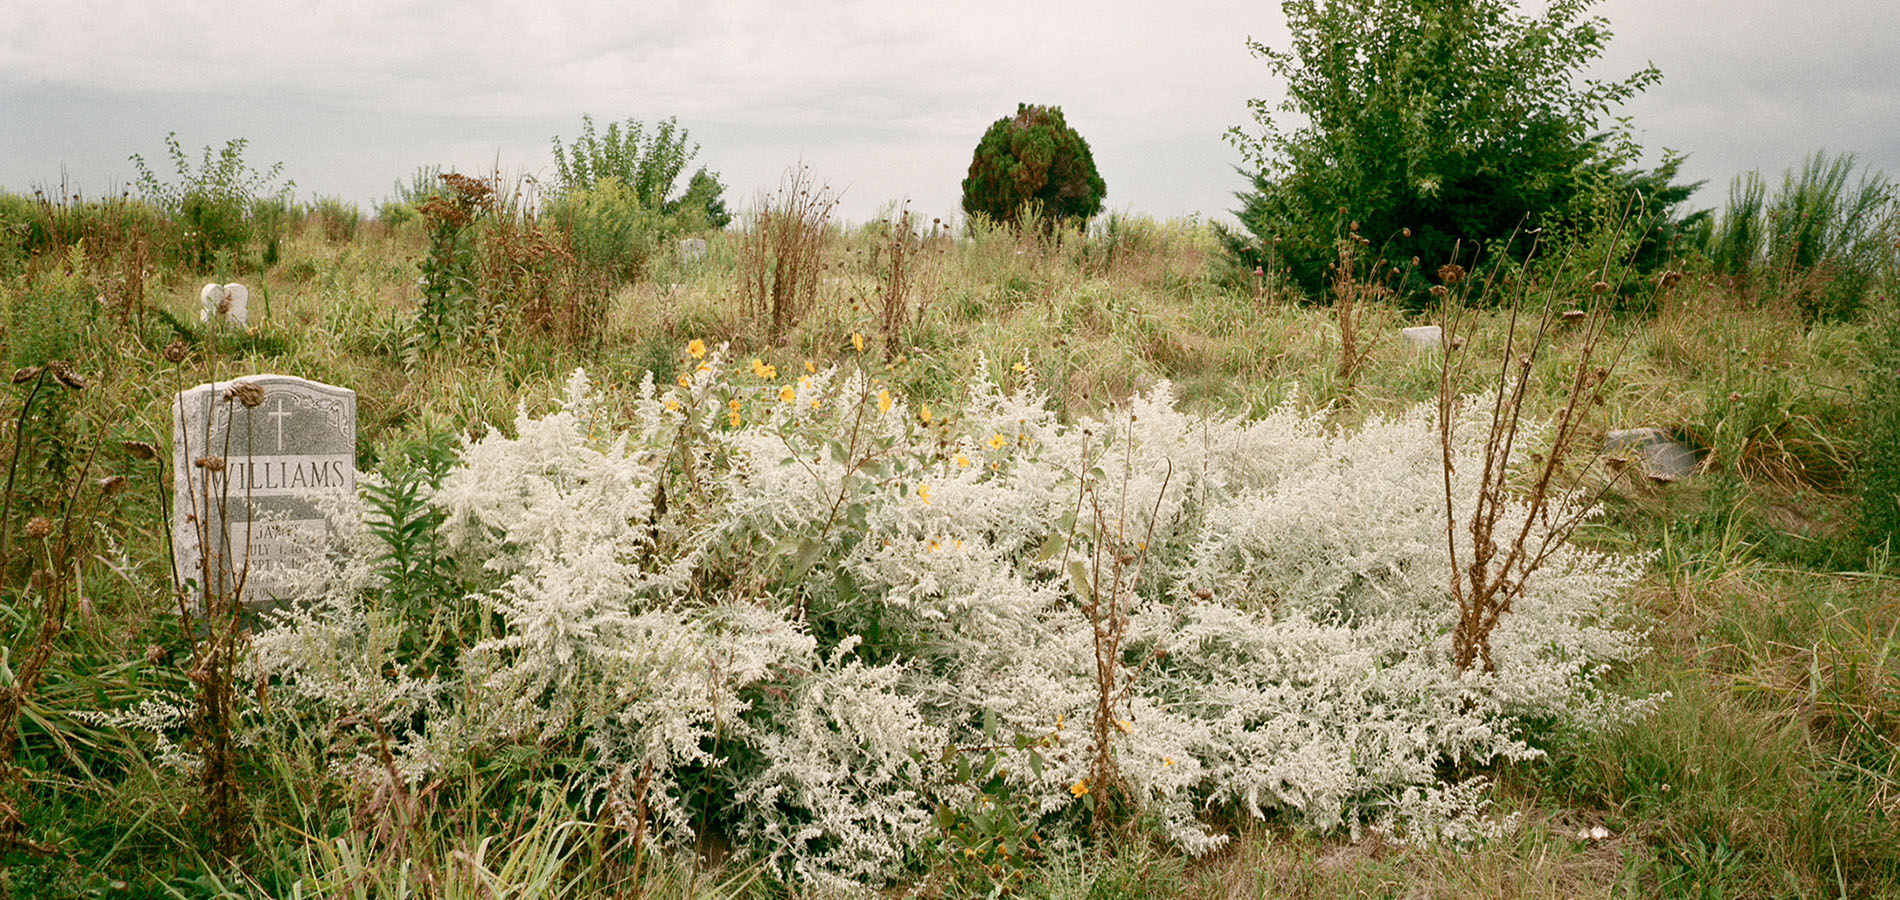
(1772, 769)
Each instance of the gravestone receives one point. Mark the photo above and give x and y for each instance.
(226, 303)
(692, 250)
(251, 459)
(1659, 456)
(1424, 337)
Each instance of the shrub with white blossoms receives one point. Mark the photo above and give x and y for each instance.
(807, 592)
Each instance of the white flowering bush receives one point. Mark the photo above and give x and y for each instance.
(774, 603)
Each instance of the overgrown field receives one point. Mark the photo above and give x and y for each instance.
(921, 561)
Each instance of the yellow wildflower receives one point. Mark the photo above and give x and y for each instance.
(857, 342)
(884, 401)
(1019, 368)
(703, 367)
(1080, 788)
(923, 415)
(935, 545)
(734, 418)
(963, 462)
(811, 368)
(1058, 721)
(997, 441)
(672, 404)
(787, 394)
(817, 403)
(735, 404)
(923, 493)
(1167, 761)
(697, 348)
(1126, 726)
(685, 381)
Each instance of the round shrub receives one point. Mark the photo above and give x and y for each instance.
(1033, 159)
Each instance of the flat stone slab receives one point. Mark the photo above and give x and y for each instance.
(1424, 337)
(1661, 456)
(248, 480)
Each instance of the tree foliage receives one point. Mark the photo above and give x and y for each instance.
(647, 164)
(1033, 159)
(1430, 123)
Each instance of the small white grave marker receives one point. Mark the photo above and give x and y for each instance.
(226, 303)
(692, 250)
(1424, 337)
(250, 464)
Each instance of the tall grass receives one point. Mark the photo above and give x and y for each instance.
(1820, 240)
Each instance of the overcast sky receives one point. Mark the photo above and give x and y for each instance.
(885, 100)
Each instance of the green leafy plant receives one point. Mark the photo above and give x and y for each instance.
(1033, 159)
(991, 830)
(419, 580)
(647, 164)
(1458, 121)
(214, 206)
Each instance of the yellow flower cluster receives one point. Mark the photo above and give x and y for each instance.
(697, 348)
(764, 370)
(884, 401)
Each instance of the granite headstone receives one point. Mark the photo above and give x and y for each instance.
(252, 458)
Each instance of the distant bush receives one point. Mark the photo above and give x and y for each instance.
(338, 218)
(1439, 130)
(219, 207)
(616, 193)
(1033, 160)
(609, 228)
(1821, 239)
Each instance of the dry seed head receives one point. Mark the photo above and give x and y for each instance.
(141, 450)
(1451, 274)
(114, 484)
(22, 376)
(176, 351)
(1670, 278)
(1438, 290)
(64, 374)
(249, 393)
(1600, 288)
(209, 463)
(1572, 315)
(39, 527)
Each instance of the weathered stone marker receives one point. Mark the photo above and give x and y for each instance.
(692, 250)
(250, 459)
(1658, 455)
(226, 303)
(1423, 337)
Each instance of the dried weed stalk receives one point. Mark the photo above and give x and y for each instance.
(781, 257)
(1505, 552)
(51, 577)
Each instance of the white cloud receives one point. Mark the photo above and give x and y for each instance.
(886, 97)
